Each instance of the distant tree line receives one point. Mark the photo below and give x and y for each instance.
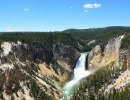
(101, 35)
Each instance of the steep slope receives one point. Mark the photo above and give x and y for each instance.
(111, 81)
(99, 57)
(31, 73)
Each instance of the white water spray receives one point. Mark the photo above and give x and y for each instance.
(79, 73)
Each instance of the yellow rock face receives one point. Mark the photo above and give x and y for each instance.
(110, 54)
(100, 60)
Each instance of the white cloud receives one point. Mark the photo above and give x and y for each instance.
(85, 10)
(94, 5)
(26, 9)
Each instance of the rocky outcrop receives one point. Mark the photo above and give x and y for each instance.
(124, 58)
(24, 53)
(110, 54)
(94, 52)
(92, 42)
(121, 82)
(65, 55)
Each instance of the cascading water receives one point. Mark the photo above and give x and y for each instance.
(79, 73)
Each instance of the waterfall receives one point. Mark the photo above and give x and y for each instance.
(79, 73)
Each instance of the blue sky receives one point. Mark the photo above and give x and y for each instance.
(58, 15)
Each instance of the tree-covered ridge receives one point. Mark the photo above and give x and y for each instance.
(94, 87)
(76, 38)
(95, 33)
(101, 35)
(43, 39)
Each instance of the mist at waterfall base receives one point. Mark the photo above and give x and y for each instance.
(79, 73)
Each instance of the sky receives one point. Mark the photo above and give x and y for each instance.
(58, 15)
